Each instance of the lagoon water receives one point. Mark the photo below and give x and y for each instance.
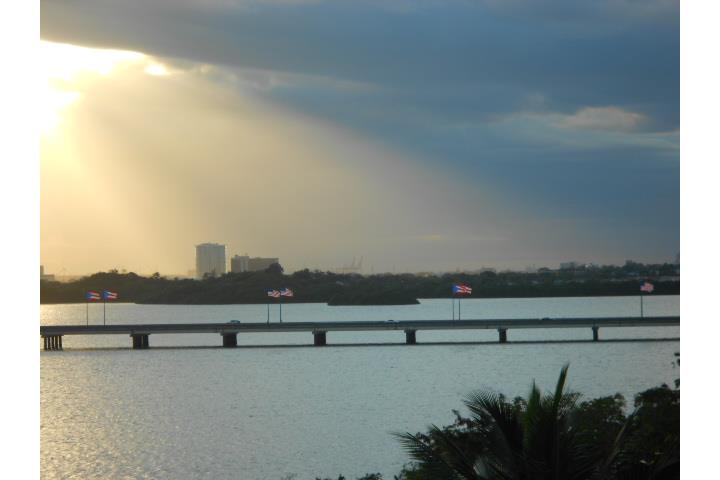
(281, 408)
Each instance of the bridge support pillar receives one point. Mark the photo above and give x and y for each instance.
(596, 337)
(52, 342)
(140, 340)
(320, 338)
(502, 332)
(410, 337)
(229, 340)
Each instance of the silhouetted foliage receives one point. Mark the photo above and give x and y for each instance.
(368, 476)
(353, 289)
(655, 431)
(552, 436)
(275, 269)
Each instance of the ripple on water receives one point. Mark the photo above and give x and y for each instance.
(260, 413)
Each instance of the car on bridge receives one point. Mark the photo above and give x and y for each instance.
(234, 321)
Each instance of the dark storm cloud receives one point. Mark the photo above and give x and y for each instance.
(588, 56)
(572, 105)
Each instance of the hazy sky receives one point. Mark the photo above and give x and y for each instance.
(422, 135)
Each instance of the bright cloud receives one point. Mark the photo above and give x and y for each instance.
(604, 118)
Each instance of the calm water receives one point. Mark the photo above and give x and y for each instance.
(266, 413)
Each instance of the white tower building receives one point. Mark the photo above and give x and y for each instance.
(209, 259)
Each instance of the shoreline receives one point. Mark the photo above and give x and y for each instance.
(419, 301)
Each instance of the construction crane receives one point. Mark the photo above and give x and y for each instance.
(352, 268)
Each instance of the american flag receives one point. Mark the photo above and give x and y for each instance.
(462, 289)
(286, 292)
(273, 293)
(108, 295)
(647, 287)
(91, 295)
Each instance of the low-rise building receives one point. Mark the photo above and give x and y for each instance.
(257, 264)
(46, 276)
(245, 263)
(239, 263)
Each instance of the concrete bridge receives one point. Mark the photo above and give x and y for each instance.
(140, 334)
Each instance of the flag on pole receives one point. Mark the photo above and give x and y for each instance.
(273, 293)
(462, 289)
(647, 287)
(286, 292)
(108, 295)
(92, 295)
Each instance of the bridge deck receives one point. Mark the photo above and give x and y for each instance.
(229, 328)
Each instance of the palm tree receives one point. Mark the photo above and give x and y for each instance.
(534, 439)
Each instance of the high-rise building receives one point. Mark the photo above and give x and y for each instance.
(239, 263)
(209, 259)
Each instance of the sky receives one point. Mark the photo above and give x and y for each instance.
(421, 135)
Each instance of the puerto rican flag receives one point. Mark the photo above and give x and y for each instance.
(108, 295)
(647, 287)
(286, 292)
(462, 289)
(92, 295)
(273, 293)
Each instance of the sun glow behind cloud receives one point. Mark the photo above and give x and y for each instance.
(157, 69)
(184, 154)
(533, 103)
(147, 156)
(66, 65)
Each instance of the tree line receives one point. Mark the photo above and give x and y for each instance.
(352, 289)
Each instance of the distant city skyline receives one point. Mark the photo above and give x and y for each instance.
(422, 136)
(365, 270)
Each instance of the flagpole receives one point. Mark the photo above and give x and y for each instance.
(459, 302)
(641, 306)
(87, 311)
(104, 301)
(452, 299)
(268, 312)
(280, 301)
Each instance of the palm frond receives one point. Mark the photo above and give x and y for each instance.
(560, 386)
(445, 457)
(502, 425)
(605, 467)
